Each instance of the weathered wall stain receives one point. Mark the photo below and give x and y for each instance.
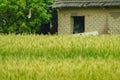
(115, 15)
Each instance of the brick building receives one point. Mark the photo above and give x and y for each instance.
(77, 16)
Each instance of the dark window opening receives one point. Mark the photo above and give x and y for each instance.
(78, 24)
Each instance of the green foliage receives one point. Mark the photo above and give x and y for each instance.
(34, 57)
(23, 16)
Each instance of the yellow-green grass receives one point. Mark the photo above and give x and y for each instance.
(39, 57)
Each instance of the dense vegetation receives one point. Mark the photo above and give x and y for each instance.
(24, 16)
(34, 57)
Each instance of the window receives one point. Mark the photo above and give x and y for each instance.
(78, 24)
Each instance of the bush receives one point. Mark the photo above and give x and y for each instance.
(24, 16)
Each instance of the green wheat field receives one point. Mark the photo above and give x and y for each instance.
(57, 57)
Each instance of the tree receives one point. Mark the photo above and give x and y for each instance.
(23, 16)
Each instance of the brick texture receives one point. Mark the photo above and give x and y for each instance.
(105, 21)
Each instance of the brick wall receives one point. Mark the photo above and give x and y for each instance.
(96, 19)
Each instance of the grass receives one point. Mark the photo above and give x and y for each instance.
(38, 57)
